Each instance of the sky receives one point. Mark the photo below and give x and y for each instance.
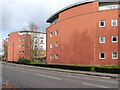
(16, 15)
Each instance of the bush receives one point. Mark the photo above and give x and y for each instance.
(23, 61)
(108, 70)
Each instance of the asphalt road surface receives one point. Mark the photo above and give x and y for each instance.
(22, 77)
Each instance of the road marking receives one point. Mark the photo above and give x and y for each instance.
(48, 76)
(95, 85)
(106, 77)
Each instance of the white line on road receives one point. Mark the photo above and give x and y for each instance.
(95, 85)
(48, 76)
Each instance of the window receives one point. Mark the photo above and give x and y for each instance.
(19, 39)
(41, 46)
(41, 52)
(56, 56)
(114, 22)
(102, 55)
(36, 41)
(19, 57)
(41, 41)
(22, 51)
(114, 55)
(51, 34)
(102, 23)
(23, 46)
(19, 45)
(19, 51)
(114, 38)
(50, 45)
(102, 39)
(22, 57)
(56, 44)
(56, 32)
(35, 46)
(23, 40)
(51, 56)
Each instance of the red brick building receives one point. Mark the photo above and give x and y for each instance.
(26, 44)
(85, 33)
(18, 46)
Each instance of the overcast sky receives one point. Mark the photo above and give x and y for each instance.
(18, 14)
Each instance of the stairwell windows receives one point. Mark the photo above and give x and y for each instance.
(114, 39)
(102, 23)
(114, 55)
(114, 22)
(102, 39)
(102, 55)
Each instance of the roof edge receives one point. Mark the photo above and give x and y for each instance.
(55, 15)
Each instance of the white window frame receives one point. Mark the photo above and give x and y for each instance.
(50, 56)
(100, 55)
(55, 56)
(100, 39)
(113, 57)
(114, 41)
(100, 23)
(19, 45)
(116, 22)
(56, 32)
(51, 45)
(56, 44)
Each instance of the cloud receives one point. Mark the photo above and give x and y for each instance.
(17, 13)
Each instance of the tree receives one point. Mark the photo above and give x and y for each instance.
(34, 40)
(5, 47)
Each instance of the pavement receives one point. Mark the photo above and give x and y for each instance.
(22, 76)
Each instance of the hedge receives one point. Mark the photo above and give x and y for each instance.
(102, 69)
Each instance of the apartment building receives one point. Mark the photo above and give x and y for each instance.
(85, 33)
(26, 44)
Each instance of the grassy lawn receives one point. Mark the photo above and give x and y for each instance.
(35, 62)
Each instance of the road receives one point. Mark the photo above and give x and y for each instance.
(22, 77)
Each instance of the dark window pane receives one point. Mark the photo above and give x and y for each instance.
(102, 55)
